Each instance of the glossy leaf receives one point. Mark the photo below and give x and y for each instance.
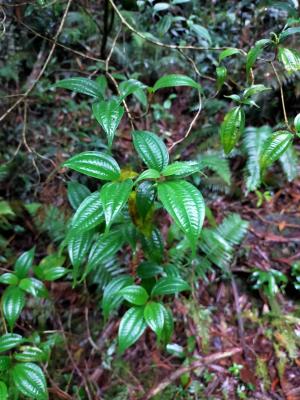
(153, 245)
(30, 354)
(50, 268)
(33, 286)
(228, 53)
(181, 168)
(81, 85)
(111, 296)
(290, 59)
(288, 32)
(108, 114)
(135, 294)
(103, 249)
(254, 53)
(132, 86)
(175, 80)
(185, 204)
(221, 73)
(232, 128)
(9, 341)
(114, 196)
(145, 195)
(13, 302)
(30, 380)
(5, 362)
(151, 149)
(148, 174)
(154, 314)
(77, 193)
(169, 285)
(168, 328)
(148, 269)
(9, 278)
(95, 164)
(3, 391)
(254, 89)
(131, 328)
(274, 147)
(78, 248)
(89, 214)
(201, 32)
(24, 263)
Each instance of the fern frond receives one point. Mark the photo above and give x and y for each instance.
(218, 243)
(107, 271)
(218, 164)
(252, 143)
(290, 163)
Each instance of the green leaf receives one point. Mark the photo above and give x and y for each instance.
(132, 86)
(254, 89)
(78, 247)
(290, 59)
(33, 286)
(24, 263)
(103, 249)
(95, 164)
(77, 193)
(153, 245)
(232, 128)
(30, 380)
(154, 314)
(135, 294)
(181, 168)
(131, 328)
(221, 73)
(175, 80)
(111, 296)
(149, 269)
(168, 328)
(30, 354)
(148, 174)
(9, 279)
(114, 196)
(186, 206)
(151, 149)
(254, 53)
(145, 195)
(200, 32)
(3, 391)
(297, 123)
(89, 214)
(81, 85)
(9, 341)
(50, 268)
(274, 147)
(228, 53)
(169, 285)
(108, 114)
(288, 32)
(5, 362)
(13, 302)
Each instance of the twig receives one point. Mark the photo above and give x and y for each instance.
(79, 53)
(204, 361)
(281, 95)
(90, 339)
(157, 42)
(32, 86)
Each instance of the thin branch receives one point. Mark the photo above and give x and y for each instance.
(281, 95)
(79, 53)
(157, 42)
(204, 361)
(32, 86)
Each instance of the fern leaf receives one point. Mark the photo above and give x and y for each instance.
(217, 163)
(290, 163)
(252, 143)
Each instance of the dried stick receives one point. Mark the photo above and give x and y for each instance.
(32, 86)
(204, 361)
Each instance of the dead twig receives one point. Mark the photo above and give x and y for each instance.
(204, 361)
